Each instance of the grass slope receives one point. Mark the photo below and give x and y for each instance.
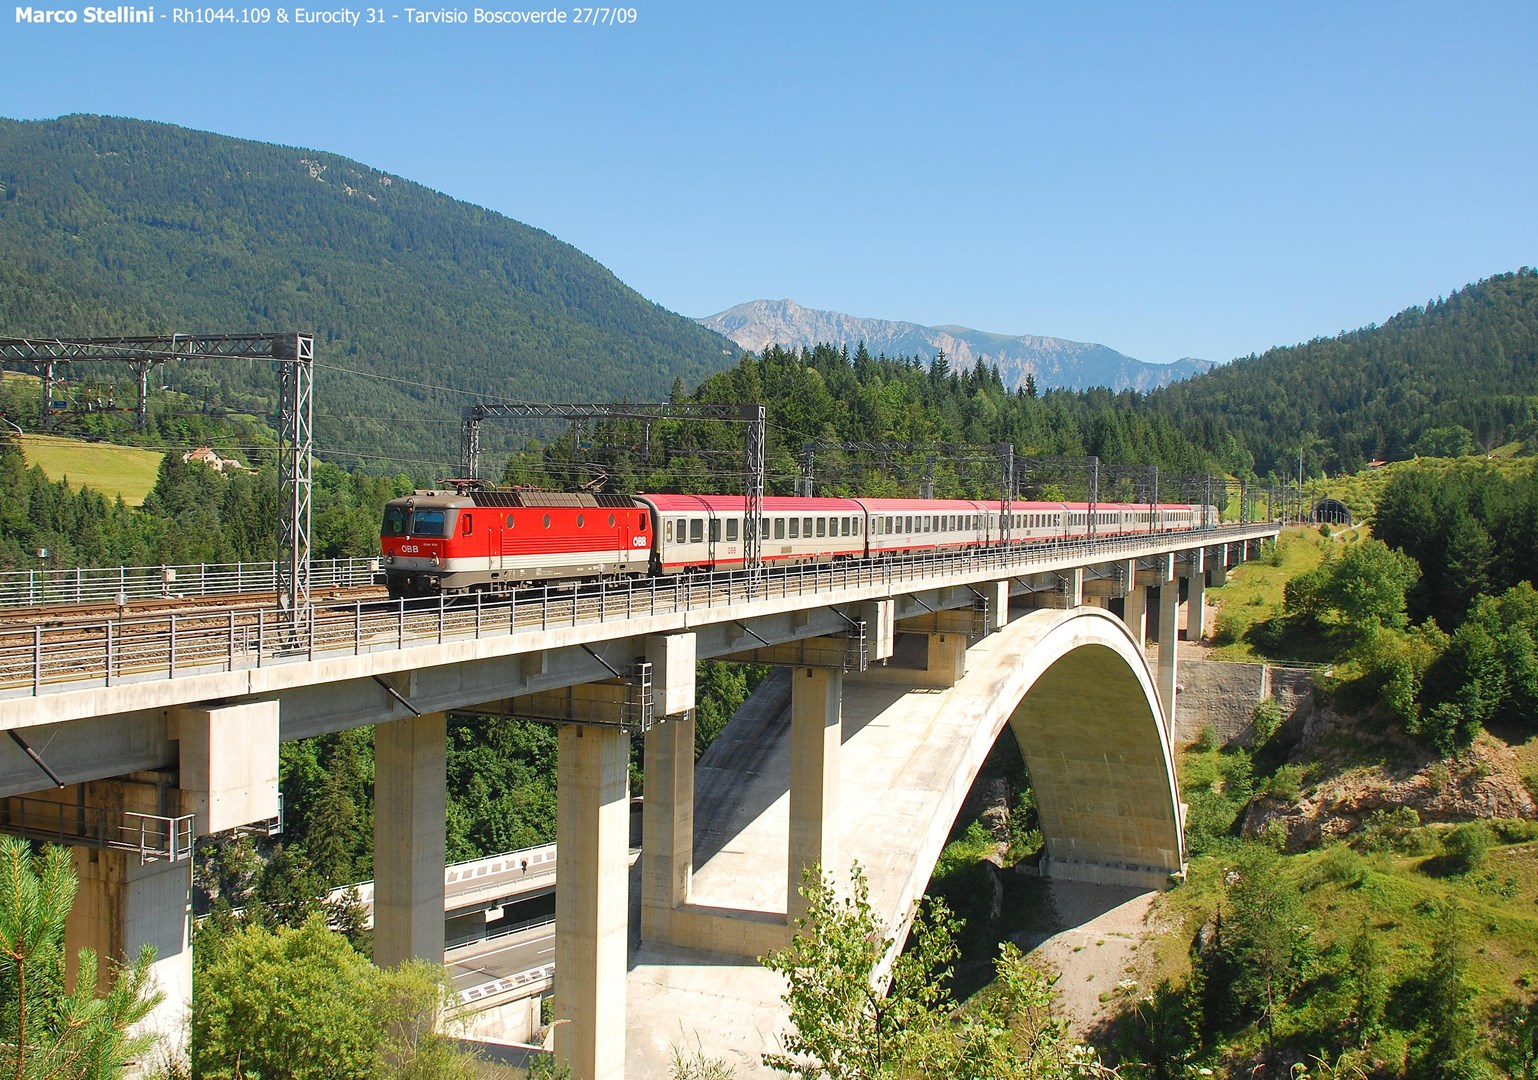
(112, 470)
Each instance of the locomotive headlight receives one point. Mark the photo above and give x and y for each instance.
(389, 559)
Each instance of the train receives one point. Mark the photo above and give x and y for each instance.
(436, 543)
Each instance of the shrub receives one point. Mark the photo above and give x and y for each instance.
(1266, 718)
(1466, 847)
(1514, 830)
(1286, 783)
(1394, 830)
(1339, 865)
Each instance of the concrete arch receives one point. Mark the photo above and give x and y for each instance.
(1096, 742)
(1076, 690)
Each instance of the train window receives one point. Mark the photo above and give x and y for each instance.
(822, 526)
(509, 521)
(795, 528)
(806, 526)
(715, 530)
(429, 523)
(394, 521)
(696, 530)
(779, 528)
(644, 520)
(579, 521)
(668, 533)
(848, 526)
(547, 521)
(763, 528)
(731, 530)
(611, 521)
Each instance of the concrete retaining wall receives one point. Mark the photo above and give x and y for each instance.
(1223, 696)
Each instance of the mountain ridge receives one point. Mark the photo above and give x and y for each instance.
(1055, 363)
(420, 302)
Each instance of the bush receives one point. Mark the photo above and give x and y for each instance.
(1266, 718)
(1465, 847)
(1337, 865)
(1285, 784)
(1396, 830)
(1514, 830)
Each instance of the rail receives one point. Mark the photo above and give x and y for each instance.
(39, 660)
(153, 836)
(122, 584)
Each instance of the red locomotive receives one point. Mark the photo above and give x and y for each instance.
(453, 542)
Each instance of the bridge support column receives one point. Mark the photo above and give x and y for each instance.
(1135, 604)
(1195, 600)
(409, 798)
(122, 905)
(1073, 587)
(667, 824)
(816, 737)
(1169, 633)
(947, 660)
(592, 902)
(1220, 569)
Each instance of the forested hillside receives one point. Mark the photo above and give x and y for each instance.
(910, 406)
(124, 226)
(1459, 374)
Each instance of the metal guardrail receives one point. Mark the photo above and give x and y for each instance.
(122, 584)
(49, 659)
(153, 836)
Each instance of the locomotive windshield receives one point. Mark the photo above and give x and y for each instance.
(429, 523)
(395, 521)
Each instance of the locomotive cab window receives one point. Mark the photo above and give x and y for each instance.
(394, 521)
(429, 523)
(642, 526)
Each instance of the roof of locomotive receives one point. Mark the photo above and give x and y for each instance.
(513, 498)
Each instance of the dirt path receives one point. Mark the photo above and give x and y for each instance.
(1092, 942)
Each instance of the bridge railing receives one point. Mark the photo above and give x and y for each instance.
(124, 584)
(47, 659)
(153, 836)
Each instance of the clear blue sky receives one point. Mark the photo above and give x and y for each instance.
(1168, 179)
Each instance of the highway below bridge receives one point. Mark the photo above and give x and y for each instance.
(130, 737)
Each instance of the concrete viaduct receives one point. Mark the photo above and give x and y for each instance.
(177, 738)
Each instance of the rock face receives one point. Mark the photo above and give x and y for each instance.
(1055, 362)
(1485, 783)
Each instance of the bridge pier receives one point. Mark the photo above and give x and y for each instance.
(1169, 633)
(1196, 614)
(1135, 605)
(592, 902)
(409, 808)
(816, 737)
(667, 824)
